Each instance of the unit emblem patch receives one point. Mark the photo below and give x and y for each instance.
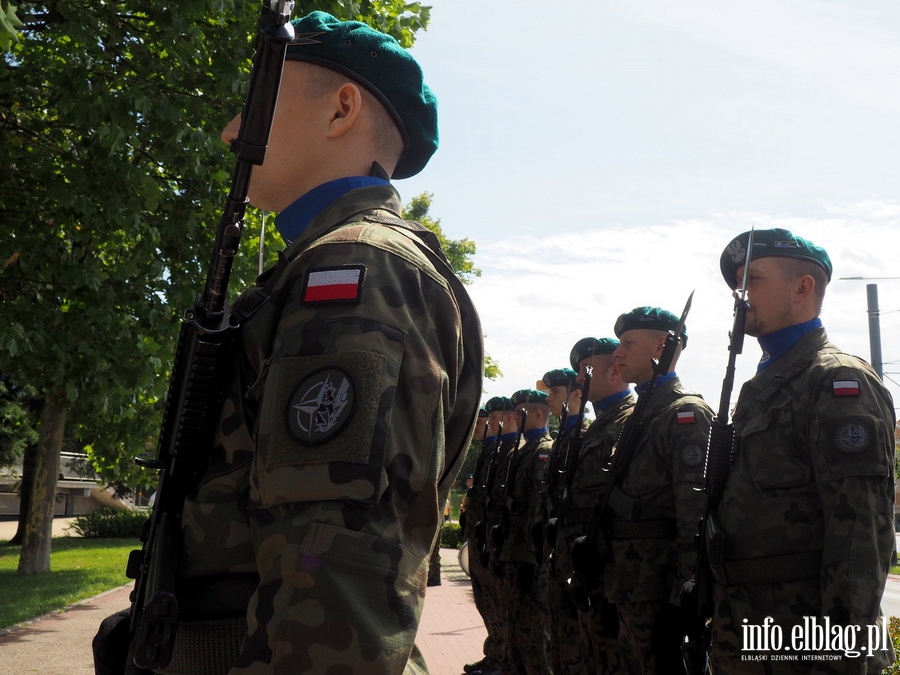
(852, 437)
(320, 406)
(692, 455)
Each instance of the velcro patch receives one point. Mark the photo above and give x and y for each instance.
(845, 388)
(321, 406)
(692, 455)
(853, 437)
(334, 284)
(686, 417)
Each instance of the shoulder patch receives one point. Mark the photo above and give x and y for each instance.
(845, 388)
(692, 455)
(852, 437)
(320, 406)
(334, 284)
(686, 417)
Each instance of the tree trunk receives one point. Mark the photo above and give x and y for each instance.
(26, 488)
(35, 555)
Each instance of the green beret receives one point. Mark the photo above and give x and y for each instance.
(561, 377)
(499, 404)
(482, 412)
(589, 346)
(377, 62)
(770, 243)
(529, 396)
(653, 318)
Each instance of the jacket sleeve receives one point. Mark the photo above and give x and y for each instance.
(852, 446)
(353, 404)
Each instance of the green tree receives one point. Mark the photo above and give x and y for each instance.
(458, 251)
(17, 421)
(113, 183)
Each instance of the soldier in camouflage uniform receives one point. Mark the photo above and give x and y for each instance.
(511, 437)
(482, 580)
(524, 593)
(503, 431)
(566, 652)
(612, 402)
(353, 396)
(807, 510)
(657, 503)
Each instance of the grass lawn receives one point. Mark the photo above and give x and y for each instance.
(80, 568)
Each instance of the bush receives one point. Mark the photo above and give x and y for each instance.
(894, 635)
(110, 524)
(451, 536)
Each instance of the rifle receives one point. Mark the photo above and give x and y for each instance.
(501, 529)
(696, 594)
(539, 531)
(573, 450)
(562, 467)
(204, 349)
(479, 464)
(592, 549)
(486, 486)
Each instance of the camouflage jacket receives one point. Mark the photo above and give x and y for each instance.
(553, 483)
(502, 477)
(664, 475)
(528, 468)
(811, 479)
(476, 496)
(583, 494)
(345, 423)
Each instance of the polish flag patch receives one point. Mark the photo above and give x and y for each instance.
(845, 388)
(686, 418)
(335, 284)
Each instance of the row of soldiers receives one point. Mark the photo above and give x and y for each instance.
(583, 543)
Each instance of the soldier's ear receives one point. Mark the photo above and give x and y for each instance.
(805, 288)
(661, 343)
(347, 102)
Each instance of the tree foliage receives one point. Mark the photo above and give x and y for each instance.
(458, 251)
(18, 419)
(113, 183)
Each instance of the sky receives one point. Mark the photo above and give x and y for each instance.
(601, 155)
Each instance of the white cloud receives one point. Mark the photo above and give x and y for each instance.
(539, 295)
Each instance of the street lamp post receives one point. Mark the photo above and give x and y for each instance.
(874, 329)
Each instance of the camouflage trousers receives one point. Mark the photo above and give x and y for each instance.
(484, 591)
(526, 618)
(567, 656)
(599, 628)
(649, 637)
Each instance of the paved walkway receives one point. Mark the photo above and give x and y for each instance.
(451, 632)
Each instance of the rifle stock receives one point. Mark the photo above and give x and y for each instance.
(203, 352)
(696, 595)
